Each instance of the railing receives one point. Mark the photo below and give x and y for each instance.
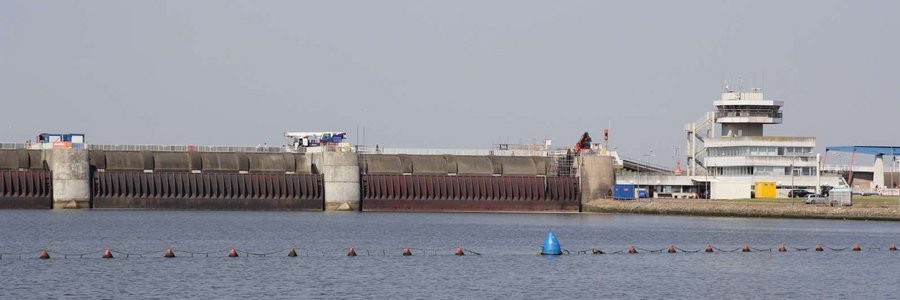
(185, 148)
(426, 151)
(846, 168)
(748, 113)
(13, 146)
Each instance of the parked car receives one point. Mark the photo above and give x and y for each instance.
(816, 199)
(798, 193)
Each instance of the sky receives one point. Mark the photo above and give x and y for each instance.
(443, 74)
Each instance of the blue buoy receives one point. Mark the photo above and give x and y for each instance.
(551, 245)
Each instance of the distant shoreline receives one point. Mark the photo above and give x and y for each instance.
(718, 208)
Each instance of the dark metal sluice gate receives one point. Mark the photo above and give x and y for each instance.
(29, 189)
(208, 191)
(469, 193)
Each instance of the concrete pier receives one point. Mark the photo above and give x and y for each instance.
(597, 177)
(341, 179)
(71, 177)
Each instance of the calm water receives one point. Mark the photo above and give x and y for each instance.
(508, 267)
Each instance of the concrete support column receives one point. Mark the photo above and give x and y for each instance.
(597, 177)
(878, 174)
(71, 177)
(341, 179)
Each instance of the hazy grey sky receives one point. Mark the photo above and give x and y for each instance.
(442, 74)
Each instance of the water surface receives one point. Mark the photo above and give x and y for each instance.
(508, 268)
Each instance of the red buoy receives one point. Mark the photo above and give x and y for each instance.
(407, 252)
(856, 247)
(781, 248)
(632, 250)
(351, 252)
(709, 248)
(459, 251)
(819, 247)
(893, 247)
(170, 253)
(293, 253)
(232, 253)
(44, 254)
(107, 253)
(746, 248)
(671, 249)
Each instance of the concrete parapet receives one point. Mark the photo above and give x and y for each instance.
(597, 177)
(341, 179)
(219, 162)
(516, 166)
(542, 165)
(382, 164)
(9, 159)
(123, 161)
(266, 162)
(302, 164)
(428, 164)
(172, 162)
(71, 177)
(474, 165)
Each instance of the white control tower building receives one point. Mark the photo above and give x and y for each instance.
(742, 155)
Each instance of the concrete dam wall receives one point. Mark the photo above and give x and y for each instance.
(25, 180)
(211, 181)
(465, 183)
(81, 178)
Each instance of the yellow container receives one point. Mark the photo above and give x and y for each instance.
(765, 190)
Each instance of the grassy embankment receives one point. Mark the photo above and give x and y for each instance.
(864, 208)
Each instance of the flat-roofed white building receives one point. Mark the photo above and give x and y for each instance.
(728, 153)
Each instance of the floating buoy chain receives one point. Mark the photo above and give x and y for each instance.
(262, 254)
(761, 250)
(138, 254)
(688, 251)
(721, 250)
(651, 251)
(408, 251)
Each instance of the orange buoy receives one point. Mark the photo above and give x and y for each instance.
(819, 247)
(459, 251)
(596, 251)
(709, 248)
(632, 250)
(893, 247)
(351, 252)
(746, 248)
(44, 254)
(856, 247)
(671, 249)
(781, 248)
(407, 252)
(170, 253)
(107, 253)
(293, 253)
(232, 253)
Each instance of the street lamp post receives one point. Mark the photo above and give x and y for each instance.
(648, 177)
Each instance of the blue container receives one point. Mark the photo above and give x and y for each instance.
(623, 192)
(551, 245)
